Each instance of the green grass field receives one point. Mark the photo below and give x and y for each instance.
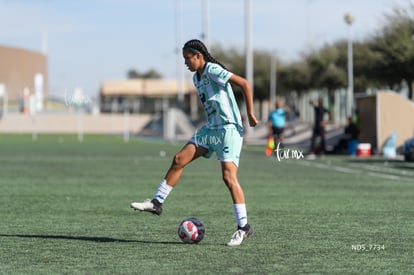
(65, 209)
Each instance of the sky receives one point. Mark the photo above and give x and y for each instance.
(89, 41)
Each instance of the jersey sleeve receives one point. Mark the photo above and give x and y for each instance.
(218, 74)
(270, 116)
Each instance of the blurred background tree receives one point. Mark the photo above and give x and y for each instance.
(384, 60)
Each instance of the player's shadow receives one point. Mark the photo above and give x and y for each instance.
(84, 238)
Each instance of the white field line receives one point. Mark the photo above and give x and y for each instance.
(353, 171)
(384, 169)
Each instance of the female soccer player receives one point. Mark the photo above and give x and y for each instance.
(224, 124)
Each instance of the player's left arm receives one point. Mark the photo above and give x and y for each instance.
(248, 96)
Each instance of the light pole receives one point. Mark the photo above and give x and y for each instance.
(273, 79)
(248, 39)
(249, 50)
(349, 19)
(205, 35)
(180, 67)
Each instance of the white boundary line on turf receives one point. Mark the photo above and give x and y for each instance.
(353, 171)
(384, 169)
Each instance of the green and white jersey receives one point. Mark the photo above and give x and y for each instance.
(217, 97)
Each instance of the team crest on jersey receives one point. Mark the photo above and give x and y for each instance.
(205, 79)
(202, 82)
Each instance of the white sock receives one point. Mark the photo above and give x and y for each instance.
(162, 192)
(240, 213)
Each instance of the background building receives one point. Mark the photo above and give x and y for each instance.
(23, 75)
(145, 96)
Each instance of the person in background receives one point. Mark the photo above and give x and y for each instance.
(318, 127)
(277, 122)
(349, 141)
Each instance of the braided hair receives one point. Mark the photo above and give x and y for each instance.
(196, 46)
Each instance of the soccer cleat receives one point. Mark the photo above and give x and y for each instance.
(153, 206)
(242, 234)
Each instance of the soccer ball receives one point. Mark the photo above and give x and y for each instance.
(191, 230)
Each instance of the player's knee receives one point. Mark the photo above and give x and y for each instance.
(179, 161)
(230, 179)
